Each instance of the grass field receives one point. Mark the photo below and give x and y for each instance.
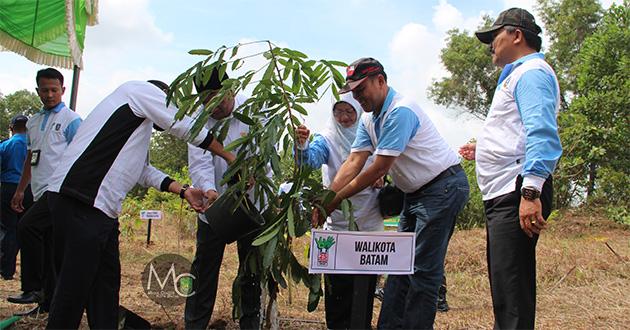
(583, 280)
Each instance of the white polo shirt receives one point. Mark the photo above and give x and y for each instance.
(403, 130)
(49, 133)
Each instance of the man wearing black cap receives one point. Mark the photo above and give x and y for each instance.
(409, 147)
(515, 155)
(206, 172)
(12, 155)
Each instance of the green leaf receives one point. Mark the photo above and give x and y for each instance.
(297, 81)
(338, 63)
(266, 235)
(234, 51)
(269, 72)
(234, 144)
(291, 222)
(243, 118)
(237, 64)
(270, 249)
(205, 52)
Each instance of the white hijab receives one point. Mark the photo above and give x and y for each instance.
(341, 137)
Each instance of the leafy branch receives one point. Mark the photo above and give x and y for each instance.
(280, 89)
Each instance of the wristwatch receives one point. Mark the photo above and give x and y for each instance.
(183, 190)
(530, 193)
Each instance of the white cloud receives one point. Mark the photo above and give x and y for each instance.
(415, 62)
(124, 23)
(446, 16)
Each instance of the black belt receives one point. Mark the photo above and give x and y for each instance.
(445, 174)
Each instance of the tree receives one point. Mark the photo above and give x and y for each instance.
(20, 102)
(567, 23)
(168, 153)
(473, 77)
(602, 83)
(285, 82)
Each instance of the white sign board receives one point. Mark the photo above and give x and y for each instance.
(352, 252)
(150, 214)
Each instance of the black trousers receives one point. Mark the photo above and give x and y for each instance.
(87, 263)
(35, 237)
(338, 297)
(512, 259)
(205, 268)
(9, 220)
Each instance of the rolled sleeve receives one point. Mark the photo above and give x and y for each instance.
(362, 141)
(398, 129)
(536, 97)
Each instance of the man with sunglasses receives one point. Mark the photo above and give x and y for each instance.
(405, 144)
(515, 154)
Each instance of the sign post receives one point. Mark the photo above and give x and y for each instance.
(351, 252)
(150, 215)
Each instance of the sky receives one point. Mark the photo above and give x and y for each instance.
(150, 39)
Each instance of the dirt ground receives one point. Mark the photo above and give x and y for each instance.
(583, 280)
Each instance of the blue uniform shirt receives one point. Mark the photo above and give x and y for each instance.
(12, 153)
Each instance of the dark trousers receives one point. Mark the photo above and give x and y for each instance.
(87, 263)
(338, 297)
(512, 259)
(410, 301)
(9, 220)
(205, 268)
(35, 237)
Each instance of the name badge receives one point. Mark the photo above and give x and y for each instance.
(35, 157)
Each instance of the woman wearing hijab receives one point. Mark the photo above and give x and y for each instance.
(328, 150)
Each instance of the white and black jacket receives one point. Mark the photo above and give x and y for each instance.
(107, 156)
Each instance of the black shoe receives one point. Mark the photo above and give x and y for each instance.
(26, 298)
(35, 311)
(442, 304)
(379, 294)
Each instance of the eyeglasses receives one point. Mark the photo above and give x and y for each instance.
(339, 113)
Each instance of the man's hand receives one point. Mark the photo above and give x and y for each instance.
(317, 219)
(302, 133)
(194, 197)
(16, 201)
(211, 195)
(530, 215)
(468, 151)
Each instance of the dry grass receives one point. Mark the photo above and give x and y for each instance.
(582, 284)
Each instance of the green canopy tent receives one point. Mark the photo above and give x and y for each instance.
(48, 32)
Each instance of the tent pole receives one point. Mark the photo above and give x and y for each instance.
(75, 88)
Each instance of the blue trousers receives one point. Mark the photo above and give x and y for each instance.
(410, 301)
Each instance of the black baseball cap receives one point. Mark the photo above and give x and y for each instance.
(213, 84)
(516, 17)
(19, 119)
(360, 70)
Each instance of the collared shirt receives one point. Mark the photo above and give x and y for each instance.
(12, 155)
(520, 135)
(403, 130)
(206, 170)
(107, 156)
(49, 133)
